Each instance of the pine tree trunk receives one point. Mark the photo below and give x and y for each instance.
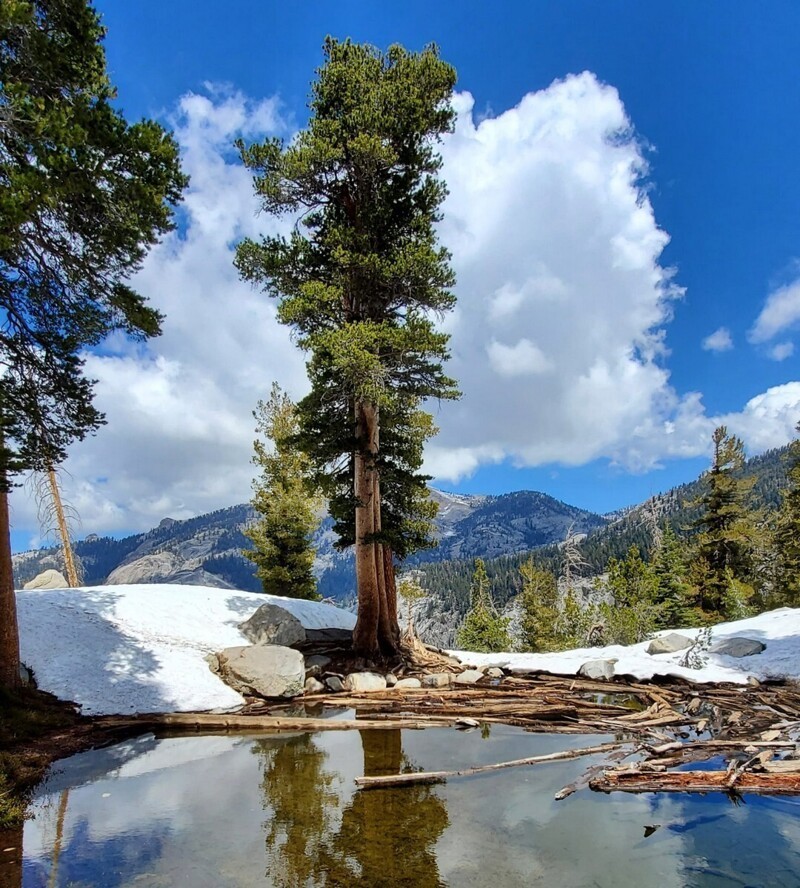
(377, 630)
(365, 634)
(388, 628)
(63, 530)
(9, 632)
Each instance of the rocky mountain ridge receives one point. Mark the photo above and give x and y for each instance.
(206, 550)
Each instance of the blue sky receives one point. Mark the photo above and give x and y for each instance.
(703, 220)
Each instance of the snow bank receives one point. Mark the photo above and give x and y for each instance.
(779, 630)
(142, 648)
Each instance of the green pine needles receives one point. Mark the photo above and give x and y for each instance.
(361, 281)
(288, 508)
(483, 628)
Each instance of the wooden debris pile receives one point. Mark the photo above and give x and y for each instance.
(747, 735)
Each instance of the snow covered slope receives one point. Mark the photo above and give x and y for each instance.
(142, 648)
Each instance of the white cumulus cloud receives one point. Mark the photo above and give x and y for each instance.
(718, 341)
(781, 312)
(557, 338)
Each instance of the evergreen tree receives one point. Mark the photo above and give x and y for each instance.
(539, 604)
(787, 533)
(632, 614)
(83, 194)
(359, 281)
(285, 502)
(725, 537)
(672, 591)
(483, 628)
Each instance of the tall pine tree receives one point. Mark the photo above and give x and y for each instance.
(83, 194)
(359, 281)
(724, 540)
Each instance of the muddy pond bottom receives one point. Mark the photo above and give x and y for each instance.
(282, 810)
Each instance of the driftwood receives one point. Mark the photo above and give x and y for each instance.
(696, 781)
(435, 776)
(665, 725)
(209, 721)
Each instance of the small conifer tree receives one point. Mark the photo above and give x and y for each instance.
(483, 628)
(288, 509)
(787, 534)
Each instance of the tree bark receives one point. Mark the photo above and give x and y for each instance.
(63, 530)
(9, 632)
(365, 634)
(377, 630)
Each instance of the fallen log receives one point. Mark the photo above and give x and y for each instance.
(436, 776)
(212, 721)
(761, 783)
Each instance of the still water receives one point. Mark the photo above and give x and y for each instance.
(283, 811)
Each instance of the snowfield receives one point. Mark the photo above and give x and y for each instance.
(779, 630)
(143, 648)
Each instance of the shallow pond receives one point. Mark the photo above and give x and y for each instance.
(282, 810)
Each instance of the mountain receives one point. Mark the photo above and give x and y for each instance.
(448, 582)
(206, 550)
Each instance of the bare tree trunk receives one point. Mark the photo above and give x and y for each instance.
(63, 530)
(365, 634)
(388, 629)
(9, 632)
(391, 594)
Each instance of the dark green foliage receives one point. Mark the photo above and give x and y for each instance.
(632, 614)
(787, 534)
(540, 613)
(83, 194)
(483, 628)
(725, 535)
(673, 593)
(288, 509)
(359, 281)
(236, 570)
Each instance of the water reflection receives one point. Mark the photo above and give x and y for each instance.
(383, 837)
(232, 812)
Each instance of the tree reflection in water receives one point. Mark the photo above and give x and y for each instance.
(383, 837)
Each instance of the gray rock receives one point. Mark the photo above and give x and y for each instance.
(272, 624)
(329, 636)
(668, 644)
(334, 683)
(437, 680)
(468, 677)
(391, 679)
(365, 681)
(316, 665)
(738, 647)
(408, 683)
(495, 672)
(313, 686)
(47, 579)
(263, 670)
(598, 669)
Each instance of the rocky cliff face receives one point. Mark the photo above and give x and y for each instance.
(207, 550)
